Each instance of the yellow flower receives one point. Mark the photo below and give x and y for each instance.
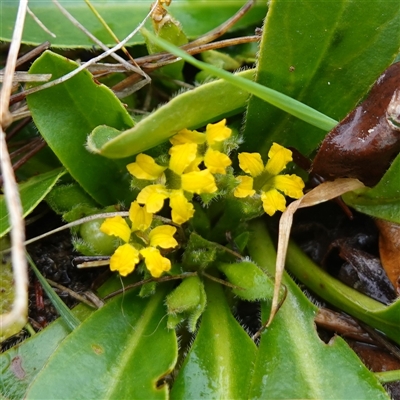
(161, 236)
(188, 178)
(190, 149)
(214, 160)
(266, 181)
(127, 256)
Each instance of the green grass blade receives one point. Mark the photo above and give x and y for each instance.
(271, 96)
(59, 305)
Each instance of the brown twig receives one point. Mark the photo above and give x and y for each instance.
(18, 314)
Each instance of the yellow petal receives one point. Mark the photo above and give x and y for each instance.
(182, 208)
(145, 168)
(291, 185)
(194, 165)
(273, 201)
(245, 187)
(163, 236)
(251, 163)
(216, 162)
(124, 259)
(181, 157)
(155, 262)
(153, 197)
(141, 219)
(217, 132)
(199, 182)
(187, 136)
(279, 156)
(116, 226)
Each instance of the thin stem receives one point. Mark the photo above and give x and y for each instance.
(388, 376)
(76, 223)
(228, 250)
(71, 293)
(144, 281)
(222, 282)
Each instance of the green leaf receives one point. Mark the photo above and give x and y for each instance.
(32, 192)
(112, 354)
(256, 284)
(209, 102)
(66, 113)
(123, 16)
(34, 352)
(383, 200)
(292, 361)
(325, 57)
(220, 362)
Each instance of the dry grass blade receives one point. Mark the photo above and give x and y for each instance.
(108, 52)
(17, 317)
(26, 77)
(324, 192)
(40, 23)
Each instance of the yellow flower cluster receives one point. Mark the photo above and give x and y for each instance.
(185, 178)
(195, 159)
(140, 242)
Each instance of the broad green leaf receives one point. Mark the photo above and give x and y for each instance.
(121, 351)
(209, 102)
(220, 362)
(32, 192)
(20, 365)
(325, 57)
(292, 361)
(383, 200)
(123, 16)
(372, 312)
(66, 113)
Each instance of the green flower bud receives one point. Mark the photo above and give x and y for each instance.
(95, 239)
(256, 284)
(187, 301)
(199, 252)
(64, 198)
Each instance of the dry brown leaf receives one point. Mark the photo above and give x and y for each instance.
(324, 192)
